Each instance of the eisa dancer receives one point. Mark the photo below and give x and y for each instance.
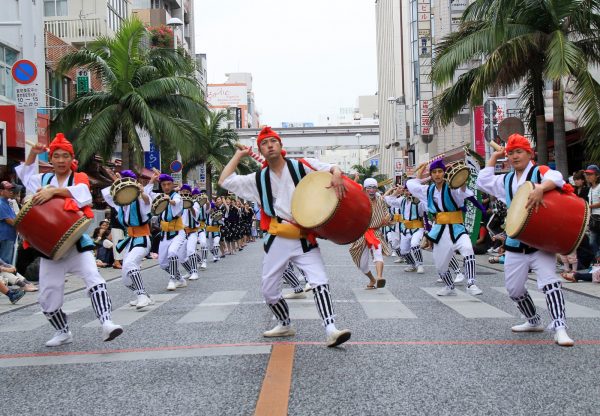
(136, 246)
(448, 234)
(273, 187)
(74, 186)
(519, 257)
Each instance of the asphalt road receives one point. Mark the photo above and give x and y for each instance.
(200, 351)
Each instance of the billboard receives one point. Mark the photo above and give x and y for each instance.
(227, 95)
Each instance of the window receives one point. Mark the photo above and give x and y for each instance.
(117, 12)
(55, 7)
(7, 58)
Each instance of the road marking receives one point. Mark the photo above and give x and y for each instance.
(573, 310)
(302, 308)
(38, 320)
(126, 314)
(467, 305)
(215, 308)
(118, 356)
(382, 304)
(275, 390)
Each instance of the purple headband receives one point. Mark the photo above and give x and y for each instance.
(195, 191)
(437, 164)
(165, 178)
(185, 187)
(128, 174)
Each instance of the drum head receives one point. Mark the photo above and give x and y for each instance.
(187, 202)
(313, 203)
(70, 238)
(126, 195)
(517, 215)
(159, 205)
(459, 178)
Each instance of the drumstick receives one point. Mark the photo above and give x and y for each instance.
(495, 146)
(32, 144)
(254, 156)
(443, 155)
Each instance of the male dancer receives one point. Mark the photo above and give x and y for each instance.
(213, 232)
(393, 197)
(188, 256)
(136, 246)
(519, 256)
(74, 186)
(273, 187)
(172, 230)
(372, 244)
(449, 233)
(202, 212)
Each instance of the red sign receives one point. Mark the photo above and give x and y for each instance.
(479, 130)
(15, 126)
(24, 71)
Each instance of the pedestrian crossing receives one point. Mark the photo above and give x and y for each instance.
(376, 304)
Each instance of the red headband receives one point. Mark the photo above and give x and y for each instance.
(516, 141)
(60, 142)
(266, 132)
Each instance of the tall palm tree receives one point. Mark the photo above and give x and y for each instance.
(144, 88)
(525, 43)
(368, 172)
(214, 146)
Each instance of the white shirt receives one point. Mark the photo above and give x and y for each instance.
(282, 187)
(594, 198)
(144, 208)
(33, 181)
(493, 184)
(176, 209)
(420, 191)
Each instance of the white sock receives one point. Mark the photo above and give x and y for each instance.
(329, 329)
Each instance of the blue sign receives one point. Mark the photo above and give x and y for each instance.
(176, 166)
(152, 158)
(24, 71)
(374, 162)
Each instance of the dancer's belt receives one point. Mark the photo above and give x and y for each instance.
(202, 224)
(398, 217)
(412, 224)
(138, 231)
(286, 230)
(452, 217)
(191, 230)
(172, 226)
(213, 228)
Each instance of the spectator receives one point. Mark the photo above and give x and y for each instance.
(592, 176)
(8, 234)
(12, 294)
(103, 241)
(15, 198)
(580, 185)
(118, 233)
(10, 277)
(574, 277)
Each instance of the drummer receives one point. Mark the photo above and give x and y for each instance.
(172, 230)
(449, 233)
(285, 241)
(136, 246)
(372, 244)
(188, 256)
(519, 257)
(65, 182)
(392, 197)
(202, 212)
(213, 230)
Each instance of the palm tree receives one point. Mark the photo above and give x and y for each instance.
(144, 88)
(525, 43)
(214, 146)
(368, 172)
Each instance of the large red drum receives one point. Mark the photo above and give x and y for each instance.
(557, 228)
(316, 207)
(49, 228)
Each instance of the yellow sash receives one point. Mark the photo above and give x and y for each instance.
(138, 231)
(172, 226)
(452, 217)
(202, 224)
(213, 228)
(410, 225)
(285, 230)
(398, 217)
(190, 230)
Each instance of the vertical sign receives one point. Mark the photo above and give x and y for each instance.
(478, 133)
(238, 118)
(473, 214)
(425, 84)
(152, 157)
(202, 176)
(401, 125)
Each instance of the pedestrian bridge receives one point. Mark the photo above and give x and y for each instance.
(328, 137)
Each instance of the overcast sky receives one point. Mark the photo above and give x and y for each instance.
(307, 57)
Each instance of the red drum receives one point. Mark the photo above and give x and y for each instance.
(49, 228)
(558, 228)
(316, 207)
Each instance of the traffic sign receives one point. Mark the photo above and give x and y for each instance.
(27, 96)
(24, 71)
(176, 166)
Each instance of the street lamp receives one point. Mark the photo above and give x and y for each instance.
(174, 23)
(358, 136)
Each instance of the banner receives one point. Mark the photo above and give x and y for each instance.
(473, 215)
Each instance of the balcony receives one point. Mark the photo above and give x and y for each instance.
(152, 17)
(76, 31)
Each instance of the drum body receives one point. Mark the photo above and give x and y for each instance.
(217, 216)
(124, 191)
(188, 202)
(159, 204)
(202, 199)
(316, 207)
(457, 174)
(557, 228)
(49, 228)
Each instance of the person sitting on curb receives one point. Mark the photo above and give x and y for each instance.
(12, 294)
(10, 277)
(592, 276)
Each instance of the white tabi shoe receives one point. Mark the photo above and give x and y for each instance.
(60, 338)
(143, 301)
(307, 288)
(180, 283)
(111, 330)
(203, 266)
(410, 269)
(338, 337)
(398, 260)
(194, 276)
(293, 295)
(171, 285)
(133, 302)
(446, 291)
(420, 269)
(460, 278)
(280, 331)
(473, 290)
(562, 339)
(527, 327)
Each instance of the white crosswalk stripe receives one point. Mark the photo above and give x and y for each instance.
(215, 308)
(467, 305)
(573, 310)
(38, 320)
(126, 315)
(382, 304)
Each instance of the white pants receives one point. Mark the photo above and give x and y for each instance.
(52, 277)
(189, 247)
(202, 239)
(170, 248)
(444, 250)
(280, 253)
(132, 259)
(393, 239)
(117, 235)
(407, 241)
(364, 258)
(517, 265)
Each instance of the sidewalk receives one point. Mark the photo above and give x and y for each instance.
(584, 288)
(72, 284)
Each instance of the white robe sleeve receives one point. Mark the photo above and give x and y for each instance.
(243, 186)
(81, 194)
(554, 176)
(148, 189)
(318, 165)
(30, 179)
(417, 189)
(177, 209)
(108, 197)
(392, 201)
(491, 184)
